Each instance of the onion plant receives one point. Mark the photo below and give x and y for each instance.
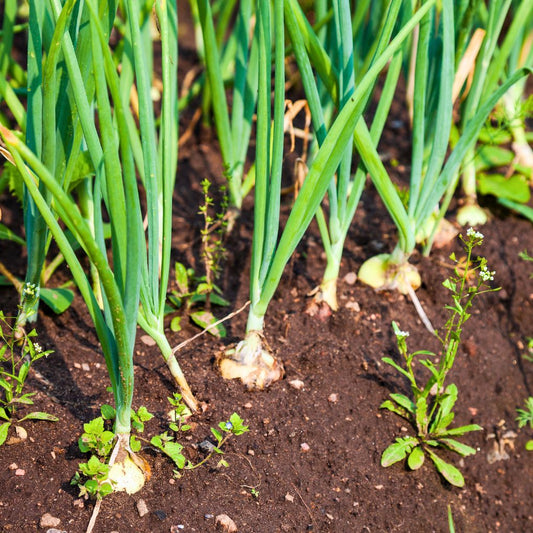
(343, 58)
(433, 174)
(251, 360)
(238, 55)
(135, 271)
(503, 51)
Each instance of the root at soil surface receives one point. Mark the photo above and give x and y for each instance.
(252, 362)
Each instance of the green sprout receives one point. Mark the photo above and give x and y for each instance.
(17, 355)
(430, 408)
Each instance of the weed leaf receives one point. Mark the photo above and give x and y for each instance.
(448, 471)
(398, 451)
(416, 458)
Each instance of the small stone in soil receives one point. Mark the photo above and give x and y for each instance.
(47, 521)
(350, 278)
(206, 446)
(297, 384)
(161, 515)
(54, 530)
(13, 466)
(20, 472)
(225, 523)
(78, 503)
(142, 508)
(305, 447)
(176, 529)
(208, 516)
(289, 497)
(332, 398)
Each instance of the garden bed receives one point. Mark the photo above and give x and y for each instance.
(274, 483)
(311, 460)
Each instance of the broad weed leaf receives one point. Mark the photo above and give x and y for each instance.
(38, 415)
(4, 428)
(421, 415)
(108, 412)
(416, 458)
(448, 471)
(457, 432)
(398, 451)
(403, 401)
(182, 278)
(458, 447)
(173, 450)
(387, 404)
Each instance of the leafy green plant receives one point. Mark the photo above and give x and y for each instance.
(430, 407)
(95, 478)
(193, 291)
(17, 354)
(252, 360)
(525, 418)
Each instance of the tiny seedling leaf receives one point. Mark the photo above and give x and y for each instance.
(173, 450)
(205, 319)
(108, 412)
(175, 324)
(135, 444)
(3, 414)
(529, 445)
(416, 458)
(448, 471)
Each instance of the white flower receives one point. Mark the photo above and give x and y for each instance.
(37, 347)
(472, 233)
(402, 334)
(486, 275)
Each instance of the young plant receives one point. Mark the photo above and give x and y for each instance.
(344, 57)
(430, 407)
(525, 418)
(252, 360)
(239, 56)
(434, 173)
(202, 291)
(17, 355)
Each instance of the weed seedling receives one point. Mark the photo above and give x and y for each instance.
(525, 417)
(17, 354)
(95, 478)
(430, 409)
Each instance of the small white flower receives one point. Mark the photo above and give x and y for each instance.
(402, 334)
(37, 347)
(486, 275)
(471, 232)
(29, 289)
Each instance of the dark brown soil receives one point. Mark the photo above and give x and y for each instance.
(272, 483)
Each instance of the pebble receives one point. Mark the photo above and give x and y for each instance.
(78, 503)
(13, 466)
(289, 497)
(350, 278)
(85, 367)
(333, 398)
(54, 530)
(209, 516)
(248, 405)
(142, 508)
(225, 523)
(297, 384)
(47, 521)
(175, 529)
(20, 472)
(354, 306)
(251, 452)
(305, 447)
(146, 339)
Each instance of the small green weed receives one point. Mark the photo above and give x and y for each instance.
(17, 354)
(92, 477)
(202, 291)
(430, 410)
(525, 417)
